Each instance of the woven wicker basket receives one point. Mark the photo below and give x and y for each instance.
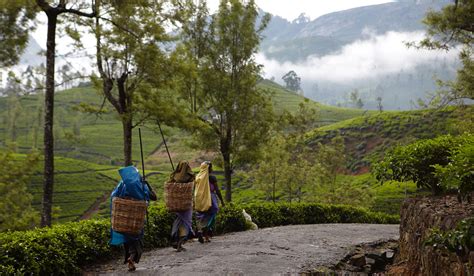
(128, 216)
(179, 196)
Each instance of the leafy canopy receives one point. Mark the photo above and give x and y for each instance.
(420, 160)
(16, 212)
(16, 21)
(449, 28)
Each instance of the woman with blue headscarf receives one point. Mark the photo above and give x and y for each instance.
(132, 186)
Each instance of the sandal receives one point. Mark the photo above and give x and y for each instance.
(200, 238)
(131, 265)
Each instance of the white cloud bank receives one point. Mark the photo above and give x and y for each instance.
(362, 59)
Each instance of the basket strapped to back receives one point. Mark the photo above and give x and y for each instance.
(179, 196)
(128, 216)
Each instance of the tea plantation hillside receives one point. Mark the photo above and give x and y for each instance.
(78, 186)
(78, 135)
(98, 138)
(286, 99)
(368, 137)
(89, 147)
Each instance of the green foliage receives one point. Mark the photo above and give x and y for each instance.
(292, 81)
(16, 18)
(158, 228)
(270, 174)
(130, 35)
(101, 133)
(289, 165)
(449, 28)
(269, 214)
(459, 172)
(222, 87)
(345, 193)
(459, 240)
(367, 138)
(284, 99)
(79, 185)
(230, 219)
(417, 161)
(16, 212)
(63, 249)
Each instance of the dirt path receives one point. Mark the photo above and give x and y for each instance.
(94, 208)
(269, 251)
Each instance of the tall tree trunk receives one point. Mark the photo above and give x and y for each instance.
(127, 140)
(48, 122)
(228, 176)
(226, 142)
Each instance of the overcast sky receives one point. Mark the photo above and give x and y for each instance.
(291, 9)
(384, 54)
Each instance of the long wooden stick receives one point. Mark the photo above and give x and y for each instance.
(141, 151)
(143, 169)
(164, 142)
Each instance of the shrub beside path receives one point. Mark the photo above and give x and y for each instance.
(268, 251)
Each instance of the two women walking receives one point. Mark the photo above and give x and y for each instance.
(206, 194)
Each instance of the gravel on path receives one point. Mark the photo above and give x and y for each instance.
(269, 251)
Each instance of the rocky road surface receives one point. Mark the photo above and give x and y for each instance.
(270, 251)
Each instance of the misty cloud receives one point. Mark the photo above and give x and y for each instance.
(367, 58)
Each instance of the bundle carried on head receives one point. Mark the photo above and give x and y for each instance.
(182, 174)
(179, 188)
(202, 192)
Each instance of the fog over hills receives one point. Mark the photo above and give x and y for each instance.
(361, 48)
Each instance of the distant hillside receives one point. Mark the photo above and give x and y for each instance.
(368, 137)
(284, 99)
(356, 49)
(98, 139)
(285, 40)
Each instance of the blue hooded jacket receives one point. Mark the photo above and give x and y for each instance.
(132, 186)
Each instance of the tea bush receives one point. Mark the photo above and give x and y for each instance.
(419, 161)
(459, 172)
(269, 215)
(65, 248)
(61, 249)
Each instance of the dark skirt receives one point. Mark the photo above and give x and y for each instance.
(182, 225)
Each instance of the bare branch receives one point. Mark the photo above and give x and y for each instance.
(120, 27)
(107, 89)
(77, 12)
(99, 112)
(139, 122)
(43, 5)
